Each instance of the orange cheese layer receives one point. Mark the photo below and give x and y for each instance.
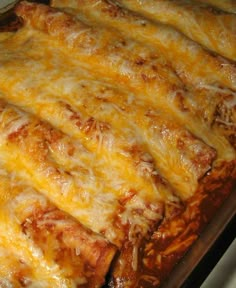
(195, 20)
(100, 58)
(52, 248)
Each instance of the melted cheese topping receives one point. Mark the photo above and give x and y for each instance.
(194, 22)
(63, 169)
(147, 84)
(182, 53)
(85, 116)
(49, 247)
(102, 137)
(202, 82)
(5, 35)
(91, 106)
(226, 5)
